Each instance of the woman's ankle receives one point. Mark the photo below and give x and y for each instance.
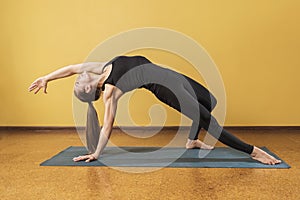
(189, 140)
(254, 151)
(190, 143)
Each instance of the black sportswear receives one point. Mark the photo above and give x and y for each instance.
(174, 89)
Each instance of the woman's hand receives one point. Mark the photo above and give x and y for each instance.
(39, 84)
(87, 158)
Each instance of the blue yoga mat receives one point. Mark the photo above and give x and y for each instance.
(176, 157)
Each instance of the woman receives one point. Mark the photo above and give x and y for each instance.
(125, 73)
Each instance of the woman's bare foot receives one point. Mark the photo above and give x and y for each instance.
(264, 157)
(191, 144)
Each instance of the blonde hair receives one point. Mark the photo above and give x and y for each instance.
(92, 123)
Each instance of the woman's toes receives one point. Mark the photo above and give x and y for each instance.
(277, 161)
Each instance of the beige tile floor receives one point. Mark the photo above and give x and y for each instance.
(21, 152)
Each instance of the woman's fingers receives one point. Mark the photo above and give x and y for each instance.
(37, 90)
(91, 158)
(38, 87)
(32, 87)
(87, 158)
(38, 83)
(79, 158)
(45, 89)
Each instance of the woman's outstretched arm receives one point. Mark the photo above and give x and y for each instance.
(41, 82)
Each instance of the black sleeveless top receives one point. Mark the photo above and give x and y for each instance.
(132, 72)
(121, 65)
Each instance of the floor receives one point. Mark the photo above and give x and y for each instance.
(22, 151)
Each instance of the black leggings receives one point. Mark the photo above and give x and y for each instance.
(198, 98)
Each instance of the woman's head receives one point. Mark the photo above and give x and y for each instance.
(86, 88)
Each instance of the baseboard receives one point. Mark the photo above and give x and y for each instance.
(262, 127)
(73, 128)
(150, 128)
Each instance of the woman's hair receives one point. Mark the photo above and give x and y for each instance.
(94, 95)
(92, 124)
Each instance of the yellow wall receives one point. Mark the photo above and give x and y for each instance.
(255, 44)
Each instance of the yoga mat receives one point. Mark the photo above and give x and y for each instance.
(220, 157)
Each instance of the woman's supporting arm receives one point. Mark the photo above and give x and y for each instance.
(109, 116)
(110, 99)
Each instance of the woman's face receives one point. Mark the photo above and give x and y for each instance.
(83, 82)
(85, 88)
